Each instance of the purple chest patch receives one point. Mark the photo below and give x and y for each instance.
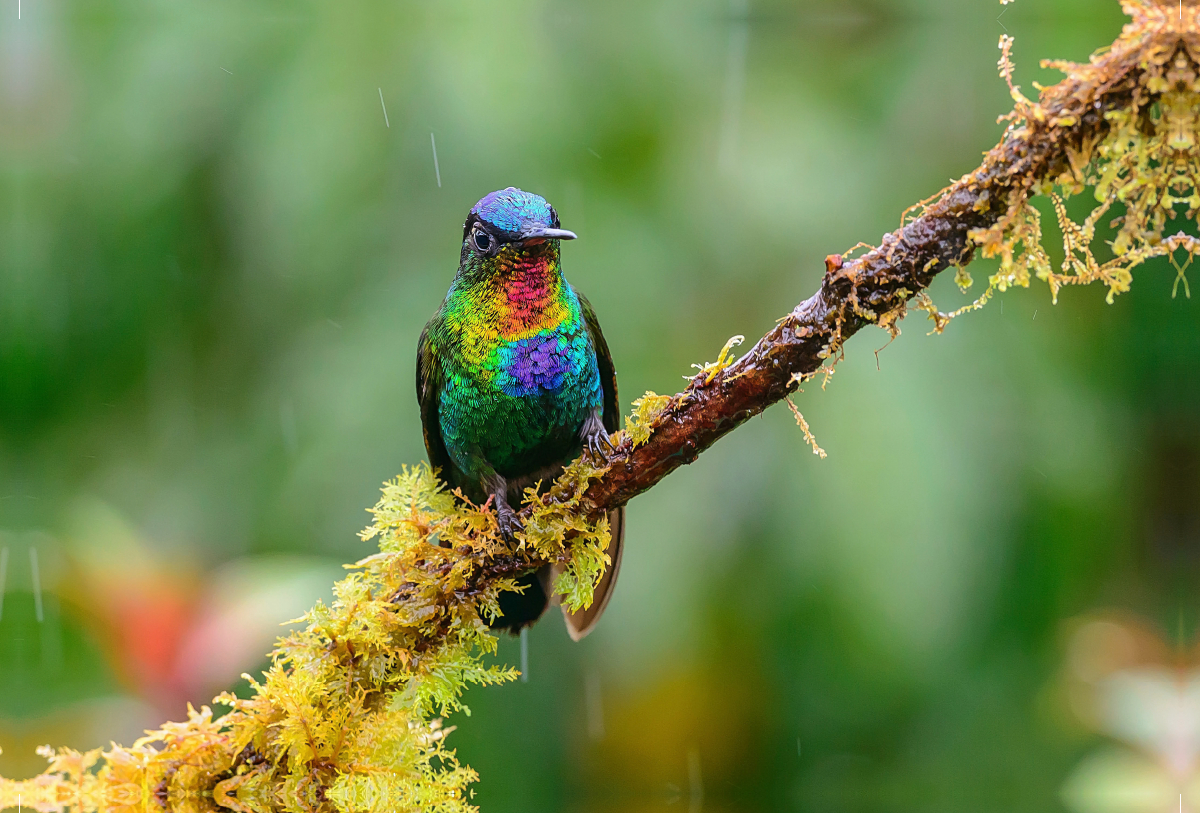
(539, 363)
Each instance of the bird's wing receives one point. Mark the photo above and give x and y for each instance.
(608, 374)
(429, 388)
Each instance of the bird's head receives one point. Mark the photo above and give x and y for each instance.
(510, 229)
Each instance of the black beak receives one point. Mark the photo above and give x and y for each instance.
(542, 233)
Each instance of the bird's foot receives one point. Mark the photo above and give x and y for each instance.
(599, 446)
(596, 441)
(509, 524)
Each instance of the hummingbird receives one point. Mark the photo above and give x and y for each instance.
(515, 380)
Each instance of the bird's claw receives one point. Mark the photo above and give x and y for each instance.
(599, 446)
(509, 524)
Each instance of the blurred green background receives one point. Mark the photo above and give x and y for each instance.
(216, 257)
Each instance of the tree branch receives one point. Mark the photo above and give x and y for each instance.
(1070, 118)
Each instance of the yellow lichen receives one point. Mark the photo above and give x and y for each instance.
(809, 437)
(646, 411)
(1147, 167)
(558, 531)
(711, 369)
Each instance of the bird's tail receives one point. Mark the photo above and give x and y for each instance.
(581, 622)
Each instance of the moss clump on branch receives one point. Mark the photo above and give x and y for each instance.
(349, 715)
(1144, 171)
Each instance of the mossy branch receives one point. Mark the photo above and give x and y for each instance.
(348, 716)
(1142, 94)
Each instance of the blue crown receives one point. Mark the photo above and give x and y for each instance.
(509, 210)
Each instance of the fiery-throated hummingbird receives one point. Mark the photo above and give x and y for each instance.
(515, 380)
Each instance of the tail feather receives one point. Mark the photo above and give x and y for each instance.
(583, 621)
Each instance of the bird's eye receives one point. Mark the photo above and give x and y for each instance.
(483, 240)
(553, 218)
